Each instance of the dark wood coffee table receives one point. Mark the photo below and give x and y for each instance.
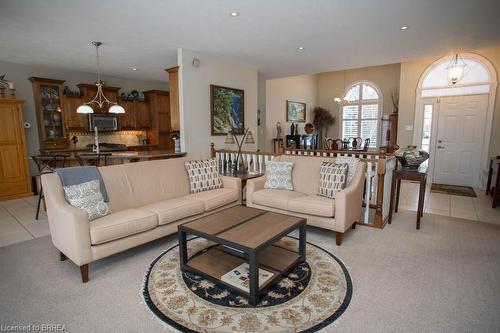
(242, 234)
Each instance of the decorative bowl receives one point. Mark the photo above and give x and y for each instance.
(411, 156)
(309, 128)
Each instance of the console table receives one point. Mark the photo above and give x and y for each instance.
(495, 191)
(419, 175)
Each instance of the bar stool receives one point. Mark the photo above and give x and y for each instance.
(92, 159)
(46, 163)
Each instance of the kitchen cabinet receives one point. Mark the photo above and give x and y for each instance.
(48, 104)
(74, 121)
(14, 173)
(173, 77)
(136, 117)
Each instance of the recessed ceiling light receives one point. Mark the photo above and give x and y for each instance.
(300, 48)
(134, 69)
(404, 27)
(234, 14)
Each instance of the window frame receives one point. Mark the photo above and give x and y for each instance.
(359, 103)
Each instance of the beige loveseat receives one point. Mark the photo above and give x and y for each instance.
(148, 200)
(337, 214)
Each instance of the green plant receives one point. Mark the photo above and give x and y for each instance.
(322, 120)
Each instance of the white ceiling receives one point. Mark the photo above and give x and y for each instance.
(336, 34)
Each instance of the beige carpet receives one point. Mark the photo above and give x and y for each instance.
(443, 278)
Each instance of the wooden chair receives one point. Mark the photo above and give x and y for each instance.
(366, 145)
(46, 163)
(338, 144)
(329, 143)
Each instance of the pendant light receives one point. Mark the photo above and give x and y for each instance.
(99, 99)
(342, 100)
(456, 69)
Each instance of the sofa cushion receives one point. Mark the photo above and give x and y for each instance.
(215, 198)
(203, 175)
(279, 175)
(275, 198)
(314, 205)
(332, 178)
(121, 224)
(87, 196)
(175, 209)
(352, 162)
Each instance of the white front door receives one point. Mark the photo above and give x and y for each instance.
(459, 143)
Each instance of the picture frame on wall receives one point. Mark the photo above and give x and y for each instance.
(295, 112)
(227, 110)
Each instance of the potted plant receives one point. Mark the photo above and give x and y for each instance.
(322, 120)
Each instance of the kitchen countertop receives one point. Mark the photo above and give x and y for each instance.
(129, 155)
(86, 149)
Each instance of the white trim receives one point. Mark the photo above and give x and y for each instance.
(418, 120)
(360, 102)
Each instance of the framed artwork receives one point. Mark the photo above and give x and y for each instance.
(295, 111)
(227, 110)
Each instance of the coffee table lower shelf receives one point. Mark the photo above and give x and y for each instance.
(217, 260)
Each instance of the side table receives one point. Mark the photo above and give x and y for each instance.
(244, 176)
(419, 175)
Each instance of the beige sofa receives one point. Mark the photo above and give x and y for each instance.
(148, 200)
(337, 214)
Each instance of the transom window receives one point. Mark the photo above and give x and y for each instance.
(361, 114)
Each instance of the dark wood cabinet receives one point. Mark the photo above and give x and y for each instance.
(88, 92)
(48, 98)
(173, 77)
(142, 115)
(159, 105)
(127, 119)
(136, 117)
(74, 121)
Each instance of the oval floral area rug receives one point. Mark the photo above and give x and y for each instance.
(312, 296)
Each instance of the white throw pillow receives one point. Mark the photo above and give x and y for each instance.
(203, 175)
(332, 179)
(88, 197)
(353, 165)
(279, 175)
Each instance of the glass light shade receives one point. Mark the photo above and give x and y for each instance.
(84, 108)
(249, 139)
(116, 109)
(455, 73)
(337, 99)
(229, 140)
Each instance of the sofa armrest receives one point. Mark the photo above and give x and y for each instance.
(349, 201)
(69, 226)
(232, 182)
(253, 185)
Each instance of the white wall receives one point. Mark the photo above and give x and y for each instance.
(194, 95)
(303, 88)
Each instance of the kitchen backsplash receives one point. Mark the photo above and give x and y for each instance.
(129, 138)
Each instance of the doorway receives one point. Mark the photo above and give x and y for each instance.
(453, 121)
(459, 134)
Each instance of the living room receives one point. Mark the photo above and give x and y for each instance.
(211, 168)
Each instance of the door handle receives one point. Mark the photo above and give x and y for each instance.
(441, 147)
(439, 141)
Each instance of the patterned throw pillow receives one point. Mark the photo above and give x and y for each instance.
(203, 175)
(88, 197)
(332, 179)
(353, 165)
(279, 175)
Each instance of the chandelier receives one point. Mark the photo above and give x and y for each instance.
(344, 99)
(100, 99)
(456, 69)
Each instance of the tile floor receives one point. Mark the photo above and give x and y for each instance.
(17, 221)
(18, 224)
(473, 209)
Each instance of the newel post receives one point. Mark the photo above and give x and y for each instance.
(379, 221)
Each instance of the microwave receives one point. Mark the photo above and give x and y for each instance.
(103, 122)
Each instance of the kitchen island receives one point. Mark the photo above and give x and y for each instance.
(68, 158)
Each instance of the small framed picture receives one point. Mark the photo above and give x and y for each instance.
(295, 112)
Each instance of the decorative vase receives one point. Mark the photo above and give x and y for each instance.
(292, 129)
(278, 130)
(411, 156)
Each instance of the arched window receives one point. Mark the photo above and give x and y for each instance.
(361, 114)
